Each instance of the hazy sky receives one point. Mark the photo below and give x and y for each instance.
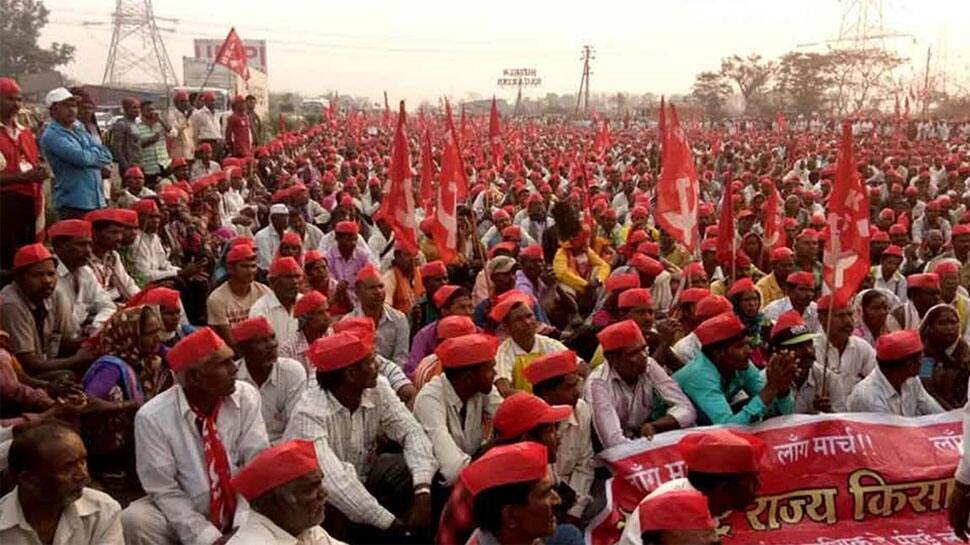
(422, 49)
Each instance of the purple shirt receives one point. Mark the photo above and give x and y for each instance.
(423, 344)
(347, 269)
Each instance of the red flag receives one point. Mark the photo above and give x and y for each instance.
(458, 164)
(775, 236)
(232, 55)
(399, 203)
(427, 170)
(726, 244)
(495, 135)
(782, 124)
(452, 189)
(677, 189)
(846, 255)
(602, 141)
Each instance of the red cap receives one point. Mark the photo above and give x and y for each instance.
(924, 281)
(550, 366)
(291, 238)
(178, 162)
(959, 229)
(507, 464)
(30, 254)
(362, 326)
(801, 278)
(721, 451)
(466, 350)
(693, 295)
(453, 326)
(893, 250)
(347, 228)
(70, 228)
(500, 215)
(161, 297)
(312, 256)
(622, 281)
(338, 351)
(134, 172)
(652, 249)
(879, 236)
(740, 286)
(620, 334)
(284, 265)
(508, 300)
(434, 269)
(240, 252)
(711, 306)
(173, 195)
(513, 232)
(310, 302)
(638, 213)
(251, 328)
(694, 269)
(719, 328)
(146, 207)
(646, 264)
(677, 510)
(897, 229)
(786, 321)
(808, 233)
(9, 87)
(947, 266)
(636, 297)
(105, 214)
(274, 467)
(709, 245)
(522, 411)
(443, 294)
(898, 344)
(779, 254)
(534, 251)
(368, 273)
(826, 302)
(504, 246)
(203, 346)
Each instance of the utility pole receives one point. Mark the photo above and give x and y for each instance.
(137, 46)
(587, 55)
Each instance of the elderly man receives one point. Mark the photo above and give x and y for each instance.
(624, 392)
(402, 281)
(231, 302)
(277, 305)
(799, 296)
(51, 502)
(280, 381)
(90, 304)
(456, 407)
(352, 406)
(923, 292)
(188, 442)
(848, 357)
(268, 238)
(813, 388)
(894, 387)
(392, 324)
(523, 345)
(76, 160)
(312, 313)
(675, 517)
(284, 488)
(400, 383)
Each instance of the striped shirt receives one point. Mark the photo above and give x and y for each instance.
(154, 156)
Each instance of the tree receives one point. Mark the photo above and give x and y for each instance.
(803, 80)
(859, 74)
(751, 74)
(20, 27)
(710, 90)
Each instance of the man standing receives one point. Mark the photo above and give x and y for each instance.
(277, 305)
(392, 324)
(255, 123)
(239, 136)
(153, 133)
(90, 304)
(205, 126)
(21, 177)
(75, 159)
(894, 387)
(126, 142)
(178, 119)
(231, 302)
(52, 502)
(188, 442)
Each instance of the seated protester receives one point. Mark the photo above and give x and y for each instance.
(448, 327)
(169, 304)
(38, 318)
(626, 392)
(693, 276)
(945, 369)
(284, 488)
(483, 289)
(536, 279)
(456, 408)
(894, 387)
(746, 302)
(347, 259)
(887, 275)
(792, 335)
(345, 416)
(312, 313)
(108, 226)
(188, 441)
(402, 281)
(392, 325)
(317, 273)
(634, 304)
(291, 245)
(799, 295)
(848, 357)
(578, 268)
(923, 291)
(51, 502)
(514, 495)
(280, 381)
(230, 303)
(689, 345)
(268, 238)
(449, 300)
(433, 276)
(277, 305)
(151, 259)
(25, 399)
(680, 517)
(653, 277)
(722, 464)
(555, 379)
(870, 311)
(950, 293)
(523, 344)
(616, 284)
(364, 327)
(90, 304)
(308, 234)
(772, 286)
(722, 369)
(133, 188)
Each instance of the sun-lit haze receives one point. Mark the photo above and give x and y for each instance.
(419, 50)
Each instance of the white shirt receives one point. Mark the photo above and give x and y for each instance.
(232, 202)
(151, 259)
(393, 334)
(346, 441)
(279, 394)
(329, 240)
(267, 244)
(171, 464)
(92, 519)
(686, 348)
(284, 324)
(438, 408)
(778, 307)
(205, 125)
(509, 351)
(874, 394)
(111, 273)
(91, 306)
(631, 531)
(856, 361)
(895, 285)
(260, 530)
(574, 459)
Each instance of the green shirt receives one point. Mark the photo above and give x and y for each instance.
(712, 394)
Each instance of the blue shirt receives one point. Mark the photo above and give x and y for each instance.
(712, 394)
(75, 160)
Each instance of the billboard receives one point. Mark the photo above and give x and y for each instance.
(255, 52)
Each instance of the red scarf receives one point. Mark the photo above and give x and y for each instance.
(222, 498)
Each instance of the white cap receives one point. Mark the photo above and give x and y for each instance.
(279, 208)
(57, 95)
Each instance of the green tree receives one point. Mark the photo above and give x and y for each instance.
(20, 25)
(752, 75)
(710, 90)
(802, 80)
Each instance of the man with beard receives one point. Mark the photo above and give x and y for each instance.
(799, 295)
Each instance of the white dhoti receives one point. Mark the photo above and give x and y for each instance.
(145, 524)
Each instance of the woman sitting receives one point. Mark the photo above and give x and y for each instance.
(746, 300)
(946, 357)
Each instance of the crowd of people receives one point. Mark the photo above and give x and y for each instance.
(234, 332)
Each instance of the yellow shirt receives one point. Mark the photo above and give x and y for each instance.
(769, 289)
